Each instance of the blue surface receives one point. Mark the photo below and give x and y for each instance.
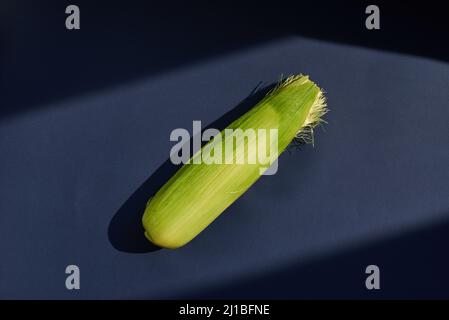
(378, 169)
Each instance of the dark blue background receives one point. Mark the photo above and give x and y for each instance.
(85, 120)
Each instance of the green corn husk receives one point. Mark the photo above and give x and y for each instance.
(198, 193)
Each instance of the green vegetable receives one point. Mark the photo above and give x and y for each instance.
(199, 193)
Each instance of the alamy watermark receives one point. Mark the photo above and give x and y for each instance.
(372, 21)
(72, 22)
(72, 282)
(231, 146)
(373, 280)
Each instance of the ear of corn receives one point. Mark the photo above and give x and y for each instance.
(199, 193)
